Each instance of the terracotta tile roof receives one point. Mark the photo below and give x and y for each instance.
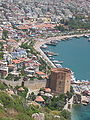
(10, 65)
(22, 59)
(47, 90)
(5, 45)
(39, 99)
(16, 61)
(1, 29)
(10, 92)
(45, 26)
(29, 61)
(44, 77)
(23, 27)
(2, 41)
(21, 89)
(11, 40)
(40, 73)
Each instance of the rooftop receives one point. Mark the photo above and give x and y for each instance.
(39, 99)
(40, 73)
(65, 70)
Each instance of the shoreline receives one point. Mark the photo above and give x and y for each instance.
(38, 44)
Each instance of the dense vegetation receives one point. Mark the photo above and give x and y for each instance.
(12, 77)
(74, 24)
(29, 47)
(57, 102)
(16, 107)
(1, 55)
(5, 34)
(1, 46)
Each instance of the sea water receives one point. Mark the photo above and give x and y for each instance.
(80, 112)
(75, 53)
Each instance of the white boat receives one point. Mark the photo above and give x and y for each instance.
(51, 58)
(86, 36)
(44, 46)
(89, 40)
(58, 65)
(56, 61)
(49, 55)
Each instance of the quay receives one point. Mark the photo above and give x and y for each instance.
(37, 46)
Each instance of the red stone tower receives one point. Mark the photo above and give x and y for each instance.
(59, 80)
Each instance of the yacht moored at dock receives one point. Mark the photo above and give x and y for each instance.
(44, 46)
(86, 36)
(56, 61)
(58, 65)
(50, 53)
(52, 42)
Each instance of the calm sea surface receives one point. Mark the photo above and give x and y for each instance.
(76, 55)
(80, 112)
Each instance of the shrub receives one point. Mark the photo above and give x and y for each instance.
(66, 114)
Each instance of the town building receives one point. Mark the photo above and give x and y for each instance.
(59, 80)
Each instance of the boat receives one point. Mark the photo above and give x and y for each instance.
(89, 40)
(77, 37)
(51, 58)
(67, 38)
(58, 40)
(86, 36)
(50, 53)
(44, 46)
(51, 43)
(61, 62)
(58, 65)
(56, 61)
(63, 39)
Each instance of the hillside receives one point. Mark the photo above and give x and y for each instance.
(14, 106)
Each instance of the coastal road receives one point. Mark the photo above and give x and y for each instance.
(37, 46)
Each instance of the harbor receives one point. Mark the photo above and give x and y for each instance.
(75, 59)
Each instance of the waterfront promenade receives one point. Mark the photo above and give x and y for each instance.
(37, 46)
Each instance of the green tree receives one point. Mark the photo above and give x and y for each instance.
(1, 55)
(32, 96)
(1, 46)
(66, 114)
(5, 34)
(61, 28)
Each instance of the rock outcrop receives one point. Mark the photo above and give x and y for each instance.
(38, 116)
